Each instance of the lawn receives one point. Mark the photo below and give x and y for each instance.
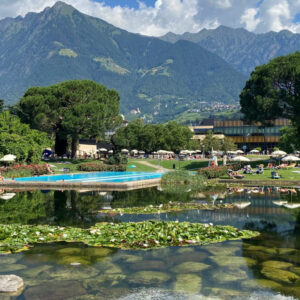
(285, 175)
(139, 167)
(184, 165)
(257, 157)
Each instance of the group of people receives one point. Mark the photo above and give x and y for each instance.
(259, 169)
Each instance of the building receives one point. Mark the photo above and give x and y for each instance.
(246, 136)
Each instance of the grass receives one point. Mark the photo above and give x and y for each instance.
(181, 165)
(139, 167)
(285, 175)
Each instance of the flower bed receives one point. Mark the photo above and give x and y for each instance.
(213, 172)
(100, 167)
(23, 170)
(141, 235)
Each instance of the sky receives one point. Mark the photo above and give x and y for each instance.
(158, 17)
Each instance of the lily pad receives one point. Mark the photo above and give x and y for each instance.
(148, 278)
(233, 261)
(279, 275)
(277, 264)
(190, 267)
(188, 283)
(141, 235)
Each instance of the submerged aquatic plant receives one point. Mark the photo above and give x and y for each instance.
(164, 208)
(138, 235)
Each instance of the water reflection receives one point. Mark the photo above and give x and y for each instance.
(267, 267)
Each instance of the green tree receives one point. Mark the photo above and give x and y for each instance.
(18, 139)
(211, 143)
(1, 105)
(72, 109)
(227, 144)
(273, 91)
(289, 140)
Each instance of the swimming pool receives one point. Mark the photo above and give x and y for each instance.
(93, 177)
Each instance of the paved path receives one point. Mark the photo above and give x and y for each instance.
(158, 168)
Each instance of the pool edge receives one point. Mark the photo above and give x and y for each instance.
(109, 186)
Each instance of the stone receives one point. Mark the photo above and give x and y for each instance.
(293, 258)
(224, 293)
(295, 270)
(225, 275)
(148, 265)
(276, 264)
(160, 253)
(8, 259)
(233, 261)
(104, 280)
(58, 290)
(128, 258)
(279, 275)
(193, 256)
(11, 268)
(72, 273)
(148, 278)
(190, 267)
(34, 272)
(97, 251)
(223, 250)
(113, 269)
(70, 251)
(11, 284)
(68, 260)
(257, 255)
(188, 283)
(185, 250)
(256, 284)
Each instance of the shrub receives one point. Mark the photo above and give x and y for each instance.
(23, 170)
(213, 172)
(100, 167)
(117, 159)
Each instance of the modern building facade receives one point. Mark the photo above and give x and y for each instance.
(247, 137)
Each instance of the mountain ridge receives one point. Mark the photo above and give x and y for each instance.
(159, 78)
(242, 49)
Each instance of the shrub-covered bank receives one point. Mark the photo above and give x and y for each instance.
(99, 166)
(23, 170)
(141, 235)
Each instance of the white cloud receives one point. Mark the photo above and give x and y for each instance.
(178, 16)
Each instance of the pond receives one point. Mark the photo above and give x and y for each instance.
(266, 267)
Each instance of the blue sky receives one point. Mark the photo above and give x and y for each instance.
(177, 16)
(128, 3)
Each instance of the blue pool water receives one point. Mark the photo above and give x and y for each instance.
(94, 177)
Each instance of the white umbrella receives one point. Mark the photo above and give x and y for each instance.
(124, 151)
(254, 151)
(292, 205)
(291, 158)
(241, 158)
(231, 152)
(278, 153)
(111, 151)
(162, 152)
(102, 149)
(280, 203)
(8, 158)
(7, 196)
(241, 205)
(134, 151)
(141, 152)
(239, 152)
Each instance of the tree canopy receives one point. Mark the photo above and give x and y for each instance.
(71, 110)
(18, 139)
(170, 136)
(212, 143)
(273, 91)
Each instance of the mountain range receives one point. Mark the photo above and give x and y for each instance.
(158, 78)
(242, 49)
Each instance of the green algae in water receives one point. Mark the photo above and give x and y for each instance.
(164, 208)
(135, 235)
